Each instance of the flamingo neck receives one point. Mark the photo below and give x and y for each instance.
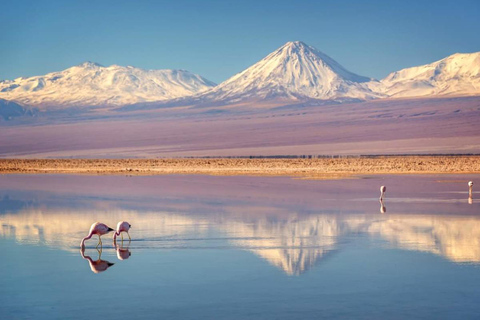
(86, 238)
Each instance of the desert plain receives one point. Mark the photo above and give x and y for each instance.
(313, 168)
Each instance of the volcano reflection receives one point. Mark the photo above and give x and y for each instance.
(291, 242)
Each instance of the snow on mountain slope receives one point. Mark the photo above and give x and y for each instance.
(90, 84)
(458, 74)
(296, 71)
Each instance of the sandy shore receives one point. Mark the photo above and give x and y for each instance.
(305, 168)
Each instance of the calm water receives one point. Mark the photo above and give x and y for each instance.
(240, 247)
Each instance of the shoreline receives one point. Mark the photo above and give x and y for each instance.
(317, 168)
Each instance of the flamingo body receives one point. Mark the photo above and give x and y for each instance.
(98, 229)
(122, 226)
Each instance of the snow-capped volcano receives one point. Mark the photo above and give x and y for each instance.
(458, 74)
(295, 71)
(90, 84)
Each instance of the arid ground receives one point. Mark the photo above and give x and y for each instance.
(324, 168)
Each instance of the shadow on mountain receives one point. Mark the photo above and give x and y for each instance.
(271, 102)
(10, 110)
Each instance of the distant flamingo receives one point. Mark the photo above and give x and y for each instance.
(99, 229)
(98, 265)
(122, 226)
(382, 191)
(470, 192)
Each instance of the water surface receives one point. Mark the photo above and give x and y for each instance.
(240, 247)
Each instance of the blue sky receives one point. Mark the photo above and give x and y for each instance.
(217, 39)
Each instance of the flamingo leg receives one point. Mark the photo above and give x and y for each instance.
(99, 242)
(129, 236)
(121, 235)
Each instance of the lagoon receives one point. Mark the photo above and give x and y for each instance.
(207, 247)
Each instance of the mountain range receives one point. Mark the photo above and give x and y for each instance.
(294, 72)
(458, 74)
(91, 84)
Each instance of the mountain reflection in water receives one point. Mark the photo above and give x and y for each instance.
(292, 242)
(292, 224)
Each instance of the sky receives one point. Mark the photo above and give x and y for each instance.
(218, 39)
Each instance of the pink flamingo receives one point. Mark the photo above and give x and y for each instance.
(470, 192)
(382, 191)
(99, 229)
(122, 226)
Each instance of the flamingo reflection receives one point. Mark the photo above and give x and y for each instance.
(98, 265)
(383, 208)
(123, 253)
